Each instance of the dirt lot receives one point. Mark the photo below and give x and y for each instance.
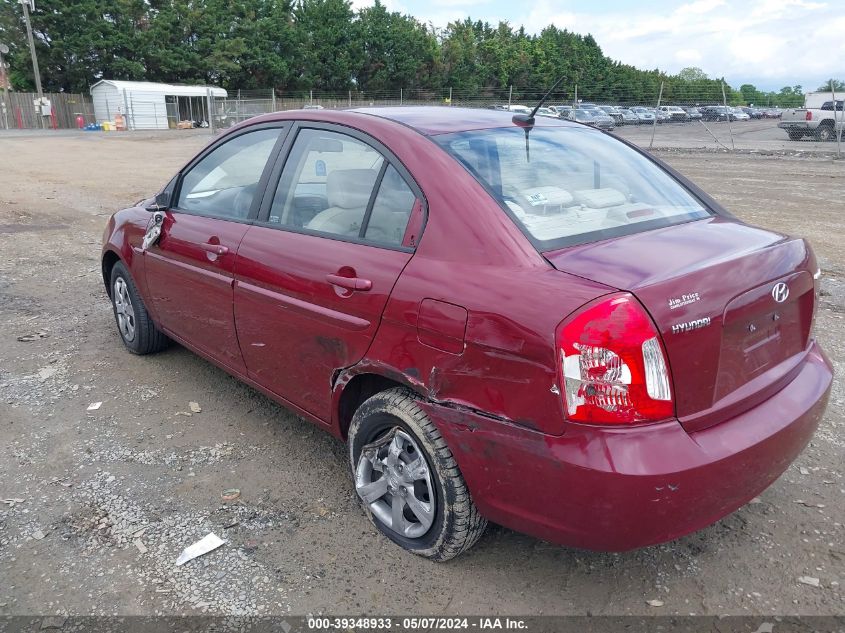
(297, 540)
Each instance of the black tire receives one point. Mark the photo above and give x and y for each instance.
(145, 337)
(795, 136)
(825, 133)
(457, 525)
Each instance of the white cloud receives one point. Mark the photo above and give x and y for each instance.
(772, 42)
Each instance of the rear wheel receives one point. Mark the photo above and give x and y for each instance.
(407, 479)
(794, 135)
(137, 330)
(825, 133)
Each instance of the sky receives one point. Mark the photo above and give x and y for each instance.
(768, 43)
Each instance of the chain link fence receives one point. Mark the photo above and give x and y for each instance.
(653, 115)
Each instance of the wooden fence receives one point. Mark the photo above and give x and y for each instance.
(19, 112)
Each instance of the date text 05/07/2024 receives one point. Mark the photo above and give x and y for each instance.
(416, 623)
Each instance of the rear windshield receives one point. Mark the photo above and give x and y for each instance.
(571, 185)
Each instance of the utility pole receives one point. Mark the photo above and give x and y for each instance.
(4, 78)
(26, 6)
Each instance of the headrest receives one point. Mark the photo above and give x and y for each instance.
(350, 188)
(600, 198)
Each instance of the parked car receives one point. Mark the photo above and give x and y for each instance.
(661, 115)
(753, 113)
(772, 113)
(643, 114)
(614, 113)
(717, 113)
(674, 113)
(547, 112)
(740, 115)
(563, 111)
(693, 114)
(583, 116)
(628, 117)
(821, 124)
(602, 118)
(589, 368)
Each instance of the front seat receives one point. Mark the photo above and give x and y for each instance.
(348, 192)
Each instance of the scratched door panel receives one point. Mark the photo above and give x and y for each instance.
(295, 327)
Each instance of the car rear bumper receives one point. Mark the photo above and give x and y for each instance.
(794, 125)
(619, 489)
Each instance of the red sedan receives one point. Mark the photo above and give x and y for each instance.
(523, 321)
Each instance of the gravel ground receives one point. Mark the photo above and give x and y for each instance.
(97, 505)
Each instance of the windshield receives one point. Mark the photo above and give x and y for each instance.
(572, 185)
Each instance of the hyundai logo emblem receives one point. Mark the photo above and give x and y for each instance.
(780, 292)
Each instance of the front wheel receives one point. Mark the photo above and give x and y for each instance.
(137, 330)
(407, 478)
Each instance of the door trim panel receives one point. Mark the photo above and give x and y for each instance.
(346, 321)
(224, 280)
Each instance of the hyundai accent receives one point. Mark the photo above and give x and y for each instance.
(520, 320)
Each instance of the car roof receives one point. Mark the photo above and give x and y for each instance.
(432, 120)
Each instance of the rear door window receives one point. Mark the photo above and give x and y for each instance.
(340, 186)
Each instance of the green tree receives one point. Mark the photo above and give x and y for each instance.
(398, 51)
(330, 42)
(837, 84)
(78, 42)
(692, 73)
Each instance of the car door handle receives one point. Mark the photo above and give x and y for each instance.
(350, 283)
(216, 249)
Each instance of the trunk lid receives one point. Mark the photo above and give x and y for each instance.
(709, 287)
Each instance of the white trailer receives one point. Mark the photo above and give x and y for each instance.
(151, 106)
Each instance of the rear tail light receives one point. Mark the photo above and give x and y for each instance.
(613, 365)
(809, 115)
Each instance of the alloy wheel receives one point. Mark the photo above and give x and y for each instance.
(394, 480)
(124, 310)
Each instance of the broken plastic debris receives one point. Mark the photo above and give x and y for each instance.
(808, 504)
(94, 406)
(655, 603)
(11, 502)
(195, 407)
(141, 547)
(38, 535)
(808, 580)
(28, 338)
(205, 545)
(231, 494)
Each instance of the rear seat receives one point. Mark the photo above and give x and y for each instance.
(348, 192)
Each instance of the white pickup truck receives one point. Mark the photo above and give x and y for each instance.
(819, 123)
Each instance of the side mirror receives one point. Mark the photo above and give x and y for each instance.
(162, 202)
